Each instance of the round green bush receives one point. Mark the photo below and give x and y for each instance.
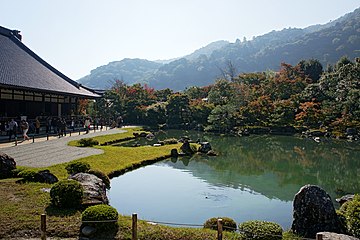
(228, 224)
(100, 213)
(67, 194)
(351, 212)
(87, 142)
(27, 175)
(77, 167)
(261, 230)
(102, 176)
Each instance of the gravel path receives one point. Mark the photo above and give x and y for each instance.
(46, 153)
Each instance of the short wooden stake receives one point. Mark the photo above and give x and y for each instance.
(43, 226)
(79, 131)
(70, 133)
(33, 137)
(219, 229)
(319, 236)
(134, 226)
(47, 136)
(15, 141)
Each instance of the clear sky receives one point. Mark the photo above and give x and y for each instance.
(76, 36)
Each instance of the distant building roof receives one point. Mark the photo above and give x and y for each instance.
(22, 68)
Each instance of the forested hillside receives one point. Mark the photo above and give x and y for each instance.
(302, 96)
(326, 43)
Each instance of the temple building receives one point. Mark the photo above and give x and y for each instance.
(30, 86)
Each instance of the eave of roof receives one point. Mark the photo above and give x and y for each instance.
(22, 68)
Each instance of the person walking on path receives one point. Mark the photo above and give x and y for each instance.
(12, 128)
(25, 127)
(87, 125)
(37, 125)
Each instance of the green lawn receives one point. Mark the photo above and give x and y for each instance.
(22, 204)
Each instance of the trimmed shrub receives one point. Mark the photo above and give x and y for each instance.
(67, 194)
(28, 175)
(261, 230)
(169, 141)
(350, 214)
(87, 142)
(228, 224)
(102, 176)
(77, 167)
(101, 212)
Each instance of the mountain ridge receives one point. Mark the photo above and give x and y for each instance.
(325, 42)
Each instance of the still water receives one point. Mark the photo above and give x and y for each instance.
(253, 177)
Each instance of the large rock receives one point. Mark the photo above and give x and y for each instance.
(313, 212)
(186, 148)
(7, 164)
(45, 176)
(94, 189)
(205, 147)
(345, 198)
(336, 236)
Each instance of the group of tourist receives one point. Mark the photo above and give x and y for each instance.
(51, 125)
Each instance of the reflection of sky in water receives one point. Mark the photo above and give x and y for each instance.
(163, 193)
(254, 177)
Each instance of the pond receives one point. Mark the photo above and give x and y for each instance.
(253, 178)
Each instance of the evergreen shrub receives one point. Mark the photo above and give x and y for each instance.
(27, 175)
(87, 142)
(228, 224)
(101, 212)
(351, 212)
(261, 230)
(67, 194)
(77, 167)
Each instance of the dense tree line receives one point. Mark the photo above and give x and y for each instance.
(304, 95)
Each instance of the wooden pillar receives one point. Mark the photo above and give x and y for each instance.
(219, 229)
(134, 227)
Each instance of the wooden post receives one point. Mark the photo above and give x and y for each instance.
(319, 236)
(134, 226)
(219, 229)
(33, 137)
(15, 141)
(70, 133)
(79, 131)
(47, 136)
(43, 226)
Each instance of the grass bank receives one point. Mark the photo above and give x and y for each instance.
(22, 204)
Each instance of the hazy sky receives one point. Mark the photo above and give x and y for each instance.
(76, 36)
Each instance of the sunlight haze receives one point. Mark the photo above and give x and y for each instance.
(78, 36)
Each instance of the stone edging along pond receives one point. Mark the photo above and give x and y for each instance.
(134, 166)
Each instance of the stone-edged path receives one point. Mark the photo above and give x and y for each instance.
(44, 153)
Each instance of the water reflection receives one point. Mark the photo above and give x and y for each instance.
(253, 177)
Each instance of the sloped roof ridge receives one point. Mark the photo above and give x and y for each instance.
(9, 33)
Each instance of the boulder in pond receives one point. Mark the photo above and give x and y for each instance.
(336, 236)
(186, 148)
(204, 147)
(313, 212)
(174, 153)
(345, 198)
(94, 189)
(7, 164)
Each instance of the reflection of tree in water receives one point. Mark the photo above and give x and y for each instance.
(332, 165)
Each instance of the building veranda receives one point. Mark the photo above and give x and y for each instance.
(31, 87)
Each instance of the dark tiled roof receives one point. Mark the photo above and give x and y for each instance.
(22, 68)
